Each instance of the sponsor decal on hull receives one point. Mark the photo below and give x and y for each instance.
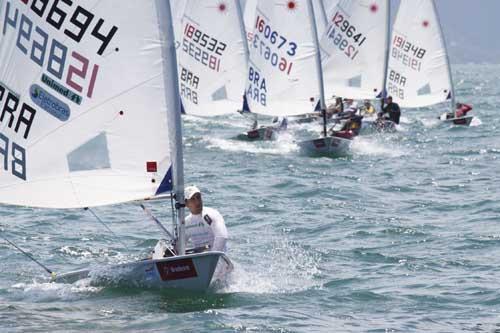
(176, 270)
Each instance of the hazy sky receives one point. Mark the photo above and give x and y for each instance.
(471, 29)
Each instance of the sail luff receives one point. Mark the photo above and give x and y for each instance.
(387, 52)
(452, 87)
(321, 85)
(172, 97)
(242, 29)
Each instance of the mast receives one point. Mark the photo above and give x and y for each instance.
(245, 45)
(387, 51)
(318, 65)
(172, 96)
(452, 92)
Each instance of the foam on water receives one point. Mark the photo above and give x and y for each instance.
(475, 122)
(49, 291)
(371, 145)
(282, 146)
(284, 268)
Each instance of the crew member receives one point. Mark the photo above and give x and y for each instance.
(205, 227)
(392, 109)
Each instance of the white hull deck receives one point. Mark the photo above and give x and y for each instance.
(464, 121)
(330, 146)
(192, 272)
(262, 133)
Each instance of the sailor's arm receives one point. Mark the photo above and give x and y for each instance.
(219, 229)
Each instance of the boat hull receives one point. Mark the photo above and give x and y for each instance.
(262, 133)
(463, 121)
(330, 146)
(188, 272)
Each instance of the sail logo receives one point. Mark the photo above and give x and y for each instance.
(49, 103)
(75, 98)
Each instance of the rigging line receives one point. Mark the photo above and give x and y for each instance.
(104, 224)
(52, 273)
(158, 223)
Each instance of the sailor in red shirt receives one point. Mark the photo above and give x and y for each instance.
(462, 109)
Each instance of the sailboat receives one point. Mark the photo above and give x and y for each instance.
(212, 57)
(419, 71)
(281, 70)
(335, 145)
(90, 100)
(354, 49)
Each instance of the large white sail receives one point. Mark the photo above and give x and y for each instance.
(282, 72)
(320, 16)
(84, 108)
(418, 73)
(354, 48)
(249, 16)
(212, 57)
(178, 8)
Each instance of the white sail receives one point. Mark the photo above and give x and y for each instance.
(84, 118)
(354, 48)
(178, 8)
(282, 73)
(329, 5)
(320, 16)
(249, 17)
(418, 73)
(212, 58)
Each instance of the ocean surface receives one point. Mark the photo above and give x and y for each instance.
(401, 236)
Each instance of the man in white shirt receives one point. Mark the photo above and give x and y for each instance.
(205, 227)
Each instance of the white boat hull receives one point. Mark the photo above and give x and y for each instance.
(465, 121)
(188, 272)
(330, 146)
(262, 133)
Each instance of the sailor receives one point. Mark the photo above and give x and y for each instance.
(350, 107)
(280, 123)
(367, 109)
(462, 109)
(392, 109)
(205, 227)
(333, 109)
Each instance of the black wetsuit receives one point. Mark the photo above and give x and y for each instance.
(393, 110)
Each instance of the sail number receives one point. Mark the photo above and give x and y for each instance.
(274, 37)
(35, 43)
(348, 29)
(408, 47)
(270, 38)
(343, 35)
(202, 47)
(406, 53)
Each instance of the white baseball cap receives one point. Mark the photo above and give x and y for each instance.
(190, 191)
